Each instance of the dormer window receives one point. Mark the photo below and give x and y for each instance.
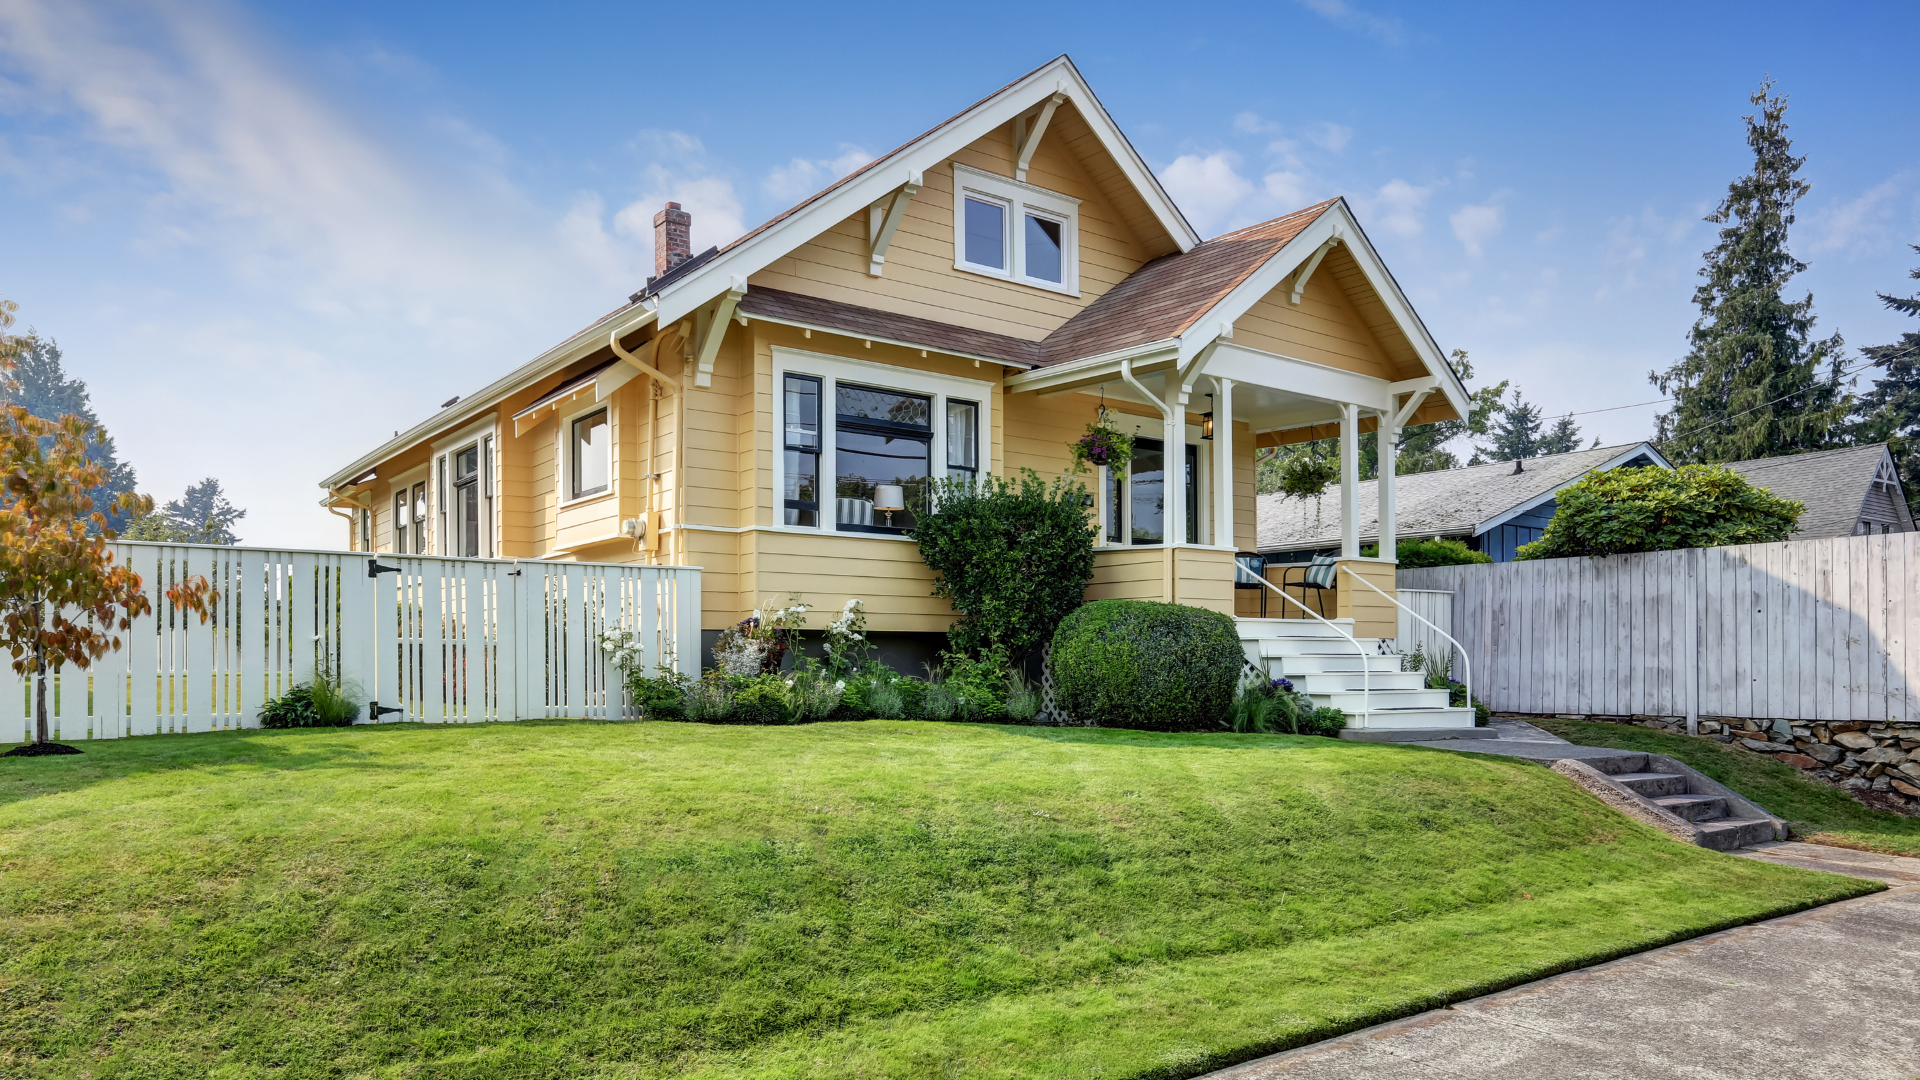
(1019, 232)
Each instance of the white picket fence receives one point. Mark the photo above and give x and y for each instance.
(1802, 630)
(430, 639)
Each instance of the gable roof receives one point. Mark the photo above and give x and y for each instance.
(1447, 502)
(1832, 483)
(1164, 298)
(852, 193)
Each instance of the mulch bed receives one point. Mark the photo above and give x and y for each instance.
(42, 749)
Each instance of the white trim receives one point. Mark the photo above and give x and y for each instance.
(778, 240)
(922, 346)
(830, 370)
(1018, 201)
(1608, 465)
(1303, 378)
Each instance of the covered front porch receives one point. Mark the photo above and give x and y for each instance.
(1176, 524)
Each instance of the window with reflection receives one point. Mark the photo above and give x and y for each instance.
(883, 442)
(963, 448)
(1136, 508)
(1044, 248)
(801, 447)
(591, 454)
(986, 234)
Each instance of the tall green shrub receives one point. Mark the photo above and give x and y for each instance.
(1414, 552)
(1013, 557)
(1137, 664)
(1629, 510)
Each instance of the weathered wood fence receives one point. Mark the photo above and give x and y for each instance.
(440, 640)
(1803, 630)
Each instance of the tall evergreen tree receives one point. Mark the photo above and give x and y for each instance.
(43, 389)
(204, 514)
(1751, 385)
(1514, 432)
(1562, 438)
(1890, 412)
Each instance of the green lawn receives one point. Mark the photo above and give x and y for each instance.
(1817, 811)
(872, 899)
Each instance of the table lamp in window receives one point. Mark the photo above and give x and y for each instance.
(889, 497)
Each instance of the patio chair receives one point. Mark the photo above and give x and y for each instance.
(1249, 568)
(1318, 575)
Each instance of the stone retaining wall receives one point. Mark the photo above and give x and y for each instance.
(1878, 763)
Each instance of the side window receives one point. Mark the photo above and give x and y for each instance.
(419, 517)
(801, 446)
(402, 522)
(466, 502)
(963, 449)
(589, 454)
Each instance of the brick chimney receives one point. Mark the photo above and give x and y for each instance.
(672, 238)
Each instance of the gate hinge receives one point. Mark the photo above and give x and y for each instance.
(374, 569)
(375, 710)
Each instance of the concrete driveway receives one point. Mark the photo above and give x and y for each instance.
(1828, 994)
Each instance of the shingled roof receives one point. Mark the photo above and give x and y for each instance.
(1832, 483)
(1168, 295)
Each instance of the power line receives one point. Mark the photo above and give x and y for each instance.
(1662, 401)
(1764, 404)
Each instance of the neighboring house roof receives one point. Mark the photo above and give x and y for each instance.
(1447, 502)
(1832, 483)
(1167, 296)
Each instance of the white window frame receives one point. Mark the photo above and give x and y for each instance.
(440, 483)
(830, 370)
(1149, 428)
(564, 456)
(1019, 199)
(404, 484)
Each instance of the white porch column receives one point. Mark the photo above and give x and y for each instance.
(1389, 442)
(1349, 481)
(1223, 463)
(1173, 491)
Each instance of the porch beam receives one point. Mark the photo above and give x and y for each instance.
(1301, 377)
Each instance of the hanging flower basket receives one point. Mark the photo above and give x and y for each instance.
(1104, 446)
(1305, 474)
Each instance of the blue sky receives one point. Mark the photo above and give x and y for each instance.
(269, 235)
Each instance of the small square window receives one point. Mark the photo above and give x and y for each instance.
(986, 234)
(1044, 248)
(590, 456)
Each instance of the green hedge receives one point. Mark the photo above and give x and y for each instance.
(1154, 667)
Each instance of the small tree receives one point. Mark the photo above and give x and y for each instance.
(63, 601)
(1012, 556)
(1629, 510)
(1890, 412)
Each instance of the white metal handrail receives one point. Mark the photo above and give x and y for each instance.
(1366, 677)
(1464, 661)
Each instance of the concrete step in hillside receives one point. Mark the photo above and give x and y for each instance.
(1721, 819)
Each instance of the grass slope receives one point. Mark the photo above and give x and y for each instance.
(1817, 811)
(875, 900)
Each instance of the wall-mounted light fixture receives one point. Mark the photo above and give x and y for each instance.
(1206, 422)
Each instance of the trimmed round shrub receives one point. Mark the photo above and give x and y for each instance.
(1152, 667)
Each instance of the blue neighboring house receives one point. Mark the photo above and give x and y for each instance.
(1493, 508)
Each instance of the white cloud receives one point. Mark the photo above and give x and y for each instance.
(1208, 188)
(1386, 30)
(1396, 207)
(1330, 136)
(1288, 189)
(717, 216)
(1475, 225)
(1865, 223)
(1252, 123)
(801, 177)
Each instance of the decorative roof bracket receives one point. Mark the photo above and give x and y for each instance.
(710, 326)
(1029, 140)
(885, 216)
(1301, 276)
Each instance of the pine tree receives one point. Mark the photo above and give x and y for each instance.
(44, 390)
(1890, 412)
(1563, 438)
(1750, 385)
(1514, 432)
(205, 514)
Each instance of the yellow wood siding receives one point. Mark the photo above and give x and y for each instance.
(1323, 328)
(1373, 615)
(920, 278)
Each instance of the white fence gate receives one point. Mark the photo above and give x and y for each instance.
(431, 639)
(1802, 630)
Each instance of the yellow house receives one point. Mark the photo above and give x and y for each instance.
(965, 304)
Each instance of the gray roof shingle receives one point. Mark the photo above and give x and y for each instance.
(1447, 502)
(1833, 484)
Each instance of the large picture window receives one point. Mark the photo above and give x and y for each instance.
(883, 443)
(589, 456)
(1136, 508)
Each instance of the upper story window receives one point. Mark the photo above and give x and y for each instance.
(589, 455)
(1016, 231)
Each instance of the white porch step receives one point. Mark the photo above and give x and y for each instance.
(1329, 682)
(1295, 665)
(1352, 701)
(1411, 720)
(1251, 629)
